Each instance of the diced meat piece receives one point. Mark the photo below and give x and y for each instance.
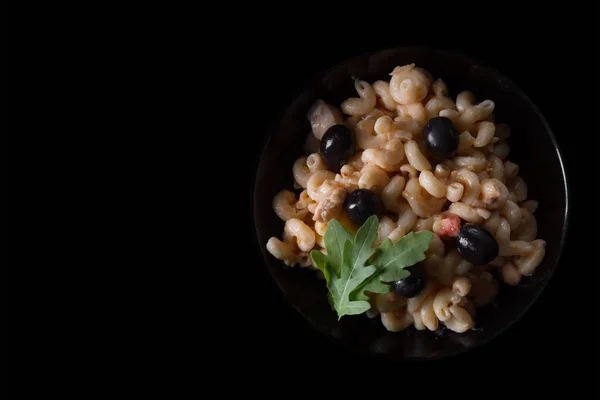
(321, 116)
(331, 207)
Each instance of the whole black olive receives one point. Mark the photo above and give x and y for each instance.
(476, 245)
(441, 137)
(361, 204)
(412, 284)
(337, 146)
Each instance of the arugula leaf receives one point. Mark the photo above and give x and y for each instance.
(390, 261)
(335, 237)
(354, 271)
(344, 265)
(352, 266)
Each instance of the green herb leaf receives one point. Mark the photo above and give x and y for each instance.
(344, 265)
(335, 237)
(390, 261)
(348, 271)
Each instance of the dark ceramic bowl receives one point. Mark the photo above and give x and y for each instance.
(533, 148)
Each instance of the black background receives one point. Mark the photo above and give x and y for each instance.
(219, 80)
(554, 66)
(183, 292)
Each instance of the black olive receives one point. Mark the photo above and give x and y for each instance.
(361, 204)
(441, 137)
(413, 284)
(337, 146)
(476, 245)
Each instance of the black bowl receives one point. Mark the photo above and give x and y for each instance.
(533, 148)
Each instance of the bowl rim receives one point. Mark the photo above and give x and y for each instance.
(272, 129)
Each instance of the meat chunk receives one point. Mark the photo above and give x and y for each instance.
(321, 116)
(331, 207)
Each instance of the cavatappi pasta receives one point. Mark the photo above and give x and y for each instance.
(478, 184)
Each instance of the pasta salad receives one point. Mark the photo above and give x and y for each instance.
(407, 204)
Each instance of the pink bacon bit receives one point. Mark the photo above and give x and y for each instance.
(446, 225)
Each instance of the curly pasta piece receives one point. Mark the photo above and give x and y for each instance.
(412, 112)
(366, 137)
(415, 157)
(396, 321)
(432, 184)
(526, 265)
(304, 235)
(320, 185)
(288, 252)
(409, 84)
(422, 203)
(393, 130)
(384, 97)
(348, 177)
(363, 104)
(440, 101)
(373, 178)
(385, 228)
(305, 167)
(461, 320)
(387, 158)
(471, 185)
(485, 133)
(387, 302)
(392, 194)
(494, 193)
(527, 229)
(406, 221)
(484, 287)
(510, 274)
(287, 207)
(471, 112)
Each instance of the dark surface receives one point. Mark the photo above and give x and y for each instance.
(150, 227)
(532, 148)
